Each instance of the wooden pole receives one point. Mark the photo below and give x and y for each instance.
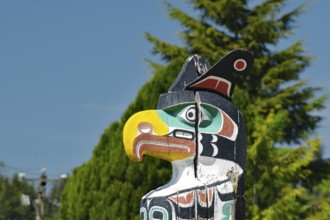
(40, 202)
(202, 133)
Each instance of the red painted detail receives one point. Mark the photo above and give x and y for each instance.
(222, 87)
(214, 83)
(203, 198)
(227, 126)
(162, 147)
(184, 199)
(240, 65)
(208, 83)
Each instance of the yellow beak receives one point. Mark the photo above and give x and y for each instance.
(145, 133)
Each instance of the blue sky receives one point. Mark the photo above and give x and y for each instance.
(70, 68)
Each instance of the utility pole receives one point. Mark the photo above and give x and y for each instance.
(40, 201)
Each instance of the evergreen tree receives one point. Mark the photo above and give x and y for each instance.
(319, 208)
(11, 207)
(318, 183)
(278, 106)
(109, 186)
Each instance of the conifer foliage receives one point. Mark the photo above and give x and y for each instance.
(11, 206)
(279, 108)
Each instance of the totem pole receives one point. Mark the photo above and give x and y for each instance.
(198, 129)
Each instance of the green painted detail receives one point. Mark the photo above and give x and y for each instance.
(173, 117)
(177, 117)
(144, 212)
(226, 211)
(214, 122)
(158, 209)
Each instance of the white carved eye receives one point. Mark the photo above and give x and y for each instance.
(188, 114)
(191, 114)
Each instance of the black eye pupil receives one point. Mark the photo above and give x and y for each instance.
(188, 114)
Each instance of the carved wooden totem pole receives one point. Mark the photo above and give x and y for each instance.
(198, 129)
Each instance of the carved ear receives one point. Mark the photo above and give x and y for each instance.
(220, 77)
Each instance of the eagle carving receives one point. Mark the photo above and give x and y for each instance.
(202, 133)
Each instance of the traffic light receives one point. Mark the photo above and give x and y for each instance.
(43, 179)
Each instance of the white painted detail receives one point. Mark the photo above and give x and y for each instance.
(200, 145)
(226, 187)
(182, 134)
(145, 128)
(211, 170)
(183, 178)
(215, 147)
